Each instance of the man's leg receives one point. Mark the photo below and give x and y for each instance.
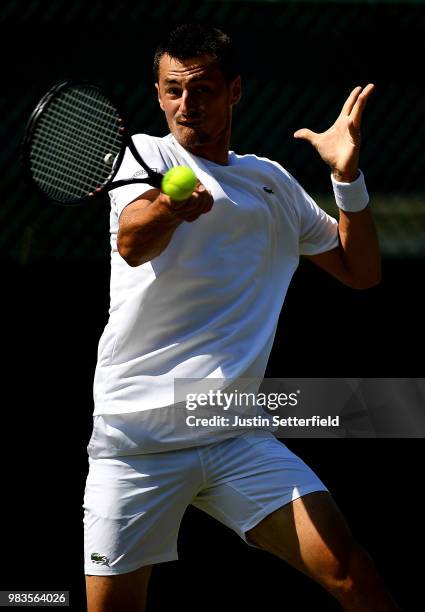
(118, 593)
(311, 535)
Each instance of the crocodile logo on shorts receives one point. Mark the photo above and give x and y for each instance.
(100, 559)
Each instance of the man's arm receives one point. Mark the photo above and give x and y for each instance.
(147, 224)
(356, 261)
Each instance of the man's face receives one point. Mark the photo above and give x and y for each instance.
(197, 101)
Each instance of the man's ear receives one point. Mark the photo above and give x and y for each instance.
(235, 90)
(159, 96)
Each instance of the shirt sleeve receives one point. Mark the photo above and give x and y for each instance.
(130, 168)
(318, 230)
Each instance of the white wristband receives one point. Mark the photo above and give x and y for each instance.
(351, 197)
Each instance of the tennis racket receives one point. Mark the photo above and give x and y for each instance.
(74, 144)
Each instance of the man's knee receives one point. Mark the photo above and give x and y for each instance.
(350, 569)
(312, 536)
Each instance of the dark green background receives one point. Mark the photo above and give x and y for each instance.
(300, 60)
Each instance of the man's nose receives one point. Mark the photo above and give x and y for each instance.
(187, 103)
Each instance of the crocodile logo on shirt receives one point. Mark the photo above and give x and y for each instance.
(99, 559)
(268, 190)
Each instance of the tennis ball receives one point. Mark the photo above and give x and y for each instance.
(179, 183)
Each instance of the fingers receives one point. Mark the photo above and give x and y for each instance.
(350, 101)
(359, 106)
(356, 102)
(200, 202)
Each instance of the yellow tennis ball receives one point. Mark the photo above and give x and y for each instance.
(179, 183)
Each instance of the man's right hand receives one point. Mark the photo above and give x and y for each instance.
(200, 202)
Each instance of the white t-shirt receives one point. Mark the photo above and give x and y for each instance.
(208, 306)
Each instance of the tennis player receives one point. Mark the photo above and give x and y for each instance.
(196, 291)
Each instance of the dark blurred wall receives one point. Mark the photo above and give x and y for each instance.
(300, 61)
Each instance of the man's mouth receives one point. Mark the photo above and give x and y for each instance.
(190, 124)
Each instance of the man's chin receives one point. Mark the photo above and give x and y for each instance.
(189, 137)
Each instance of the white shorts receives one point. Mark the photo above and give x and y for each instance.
(133, 505)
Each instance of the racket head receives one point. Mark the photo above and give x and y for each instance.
(74, 143)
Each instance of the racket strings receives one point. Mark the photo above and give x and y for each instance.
(86, 113)
(38, 155)
(70, 142)
(48, 142)
(60, 164)
(59, 182)
(60, 169)
(103, 108)
(73, 124)
(79, 142)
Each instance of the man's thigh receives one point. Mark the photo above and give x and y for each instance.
(119, 593)
(309, 533)
(133, 507)
(249, 478)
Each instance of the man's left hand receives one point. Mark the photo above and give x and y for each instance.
(339, 146)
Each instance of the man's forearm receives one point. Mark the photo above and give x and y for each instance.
(360, 247)
(147, 234)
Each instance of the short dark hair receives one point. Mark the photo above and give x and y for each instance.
(195, 39)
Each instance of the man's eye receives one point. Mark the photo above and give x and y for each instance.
(202, 89)
(173, 91)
